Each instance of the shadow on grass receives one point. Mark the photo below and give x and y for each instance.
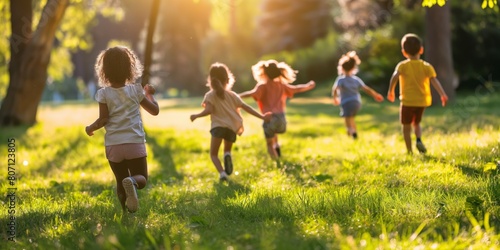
(67, 149)
(62, 210)
(469, 171)
(230, 189)
(12, 132)
(269, 222)
(163, 154)
(301, 174)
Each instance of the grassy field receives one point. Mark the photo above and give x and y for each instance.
(329, 192)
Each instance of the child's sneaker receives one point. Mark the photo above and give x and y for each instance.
(421, 148)
(131, 202)
(228, 164)
(354, 135)
(278, 150)
(223, 176)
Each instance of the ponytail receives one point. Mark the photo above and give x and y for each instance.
(218, 87)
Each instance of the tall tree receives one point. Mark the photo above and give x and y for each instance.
(30, 56)
(182, 25)
(148, 51)
(290, 25)
(438, 51)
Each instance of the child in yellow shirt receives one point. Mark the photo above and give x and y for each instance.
(415, 77)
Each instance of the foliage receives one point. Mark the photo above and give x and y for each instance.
(233, 44)
(72, 35)
(474, 42)
(328, 193)
(380, 48)
(317, 62)
(486, 3)
(292, 25)
(182, 24)
(4, 46)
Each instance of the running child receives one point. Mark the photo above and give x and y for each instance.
(120, 100)
(345, 91)
(272, 90)
(223, 106)
(415, 77)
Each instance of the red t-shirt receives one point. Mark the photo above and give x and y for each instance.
(271, 96)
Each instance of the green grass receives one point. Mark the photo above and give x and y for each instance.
(329, 192)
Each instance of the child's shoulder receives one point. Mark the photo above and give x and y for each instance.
(409, 64)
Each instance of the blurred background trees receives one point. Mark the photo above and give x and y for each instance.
(309, 35)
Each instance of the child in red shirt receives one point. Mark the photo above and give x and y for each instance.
(272, 90)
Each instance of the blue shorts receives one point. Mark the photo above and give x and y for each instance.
(350, 108)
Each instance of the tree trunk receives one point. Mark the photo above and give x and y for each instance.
(438, 49)
(148, 52)
(28, 68)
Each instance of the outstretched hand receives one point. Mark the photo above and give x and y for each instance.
(390, 97)
(378, 98)
(336, 101)
(149, 89)
(89, 131)
(444, 100)
(193, 117)
(268, 116)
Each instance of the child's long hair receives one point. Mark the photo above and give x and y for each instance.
(348, 63)
(220, 79)
(117, 65)
(271, 69)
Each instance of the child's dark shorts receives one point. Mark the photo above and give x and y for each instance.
(277, 125)
(350, 108)
(224, 133)
(411, 115)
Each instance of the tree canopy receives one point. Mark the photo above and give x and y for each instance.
(484, 5)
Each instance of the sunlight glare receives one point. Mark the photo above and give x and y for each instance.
(25, 163)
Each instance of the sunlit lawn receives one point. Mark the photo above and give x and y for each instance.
(328, 192)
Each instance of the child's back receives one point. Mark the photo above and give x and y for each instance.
(414, 80)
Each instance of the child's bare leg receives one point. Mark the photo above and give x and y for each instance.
(350, 124)
(407, 136)
(417, 130)
(227, 146)
(214, 153)
(270, 147)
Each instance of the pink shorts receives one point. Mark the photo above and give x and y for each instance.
(127, 151)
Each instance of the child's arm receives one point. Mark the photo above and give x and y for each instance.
(378, 97)
(149, 103)
(392, 86)
(247, 93)
(437, 85)
(266, 117)
(303, 87)
(206, 111)
(100, 122)
(335, 94)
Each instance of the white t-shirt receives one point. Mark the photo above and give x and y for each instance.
(125, 124)
(226, 111)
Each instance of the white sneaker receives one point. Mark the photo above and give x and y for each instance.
(223, 176)
(132, 201)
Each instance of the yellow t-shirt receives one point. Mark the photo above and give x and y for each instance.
(226, 111)
(414, 80)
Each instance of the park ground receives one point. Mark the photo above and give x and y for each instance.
(328, 191)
